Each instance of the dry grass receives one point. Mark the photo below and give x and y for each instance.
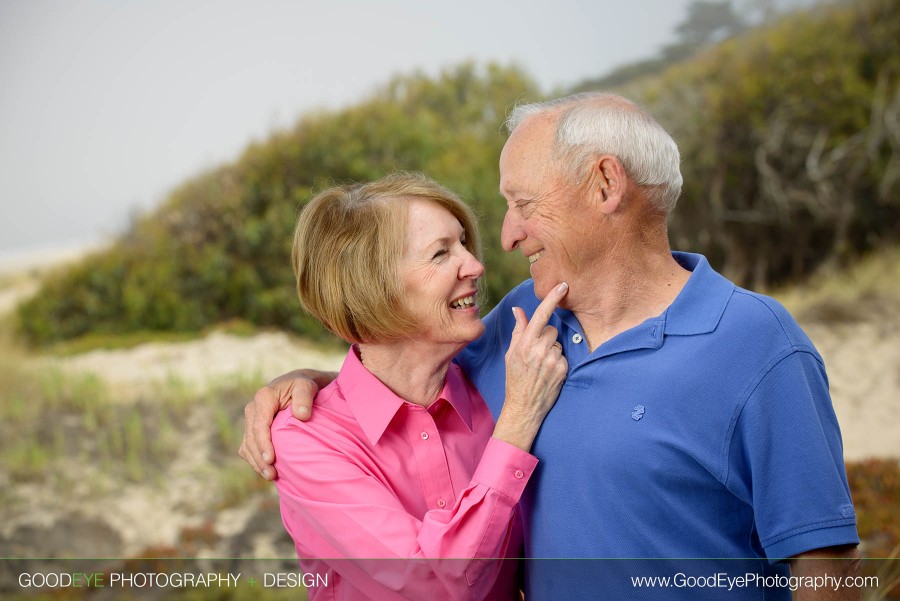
(50, 417)
(869, 290)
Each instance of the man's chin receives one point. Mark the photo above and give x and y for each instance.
(544, 277)
(541, 289)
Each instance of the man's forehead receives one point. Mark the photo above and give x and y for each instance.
(527, 152)
(509, 185)
(519, 167)
(531, 140)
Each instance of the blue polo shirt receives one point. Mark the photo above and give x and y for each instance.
(702, 441)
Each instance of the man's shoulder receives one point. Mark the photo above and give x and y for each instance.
(521, 296)
(759, 307)
(762, 315)
(501, 317)
(756, 320)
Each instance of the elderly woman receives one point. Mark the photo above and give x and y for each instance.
(401, 459)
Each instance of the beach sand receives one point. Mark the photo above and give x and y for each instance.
(862, 359)
(125, 519)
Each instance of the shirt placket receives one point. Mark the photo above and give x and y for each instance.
(428, 449)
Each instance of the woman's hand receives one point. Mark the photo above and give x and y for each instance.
(535, 371)
(296, 389)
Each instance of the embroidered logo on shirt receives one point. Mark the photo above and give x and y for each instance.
(637, 413)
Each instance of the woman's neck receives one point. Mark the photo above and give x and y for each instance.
(413, 371)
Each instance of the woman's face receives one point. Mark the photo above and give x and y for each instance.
(440, 276)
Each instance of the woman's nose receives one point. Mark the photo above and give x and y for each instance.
(471, 267)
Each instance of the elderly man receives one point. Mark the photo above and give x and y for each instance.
(695, 422)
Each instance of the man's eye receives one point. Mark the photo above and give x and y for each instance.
(526, 207)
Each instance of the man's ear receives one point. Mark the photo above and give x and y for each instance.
(608, 183)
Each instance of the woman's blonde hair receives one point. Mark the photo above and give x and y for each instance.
(348, 246)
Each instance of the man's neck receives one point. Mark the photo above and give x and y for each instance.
(626, 292)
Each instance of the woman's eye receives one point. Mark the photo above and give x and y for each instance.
(439, 254)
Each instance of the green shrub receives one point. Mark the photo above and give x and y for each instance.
(875, 486)
(789, 145)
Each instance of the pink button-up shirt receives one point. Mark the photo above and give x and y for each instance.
(386, 499)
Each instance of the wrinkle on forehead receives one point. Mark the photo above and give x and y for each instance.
(526, 157)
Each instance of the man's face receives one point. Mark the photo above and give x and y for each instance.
(545, 217)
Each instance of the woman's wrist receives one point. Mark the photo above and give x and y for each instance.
(519, 431)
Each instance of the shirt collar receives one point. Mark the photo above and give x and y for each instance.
(456, 392)
(374, 405)
(699, 306)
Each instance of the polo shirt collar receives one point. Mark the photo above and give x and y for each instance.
(699, 306)
(374, 405)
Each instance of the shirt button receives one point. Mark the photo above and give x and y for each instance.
(519, 474)
(576, 338)
(424, 435)
(442, 503)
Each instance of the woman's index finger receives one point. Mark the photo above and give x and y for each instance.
(545, 310)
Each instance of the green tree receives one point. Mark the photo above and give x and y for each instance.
(219, 246)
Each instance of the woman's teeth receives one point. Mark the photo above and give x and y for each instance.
(463, 303)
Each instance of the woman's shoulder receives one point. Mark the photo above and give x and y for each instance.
(326, 444)
(330, 419)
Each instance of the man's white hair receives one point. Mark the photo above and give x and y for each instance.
(591, 124)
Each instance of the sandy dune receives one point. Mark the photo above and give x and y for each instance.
(863, 362)
(204, 362)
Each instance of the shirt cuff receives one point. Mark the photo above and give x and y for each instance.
(810, 540)
(505, 468)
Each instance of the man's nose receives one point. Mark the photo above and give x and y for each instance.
(512, 232)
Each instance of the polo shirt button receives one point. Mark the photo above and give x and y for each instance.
(577, 338)
(442, 503)
(519, 474)
(424, 435)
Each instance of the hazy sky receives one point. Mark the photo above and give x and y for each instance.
(105, 105)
